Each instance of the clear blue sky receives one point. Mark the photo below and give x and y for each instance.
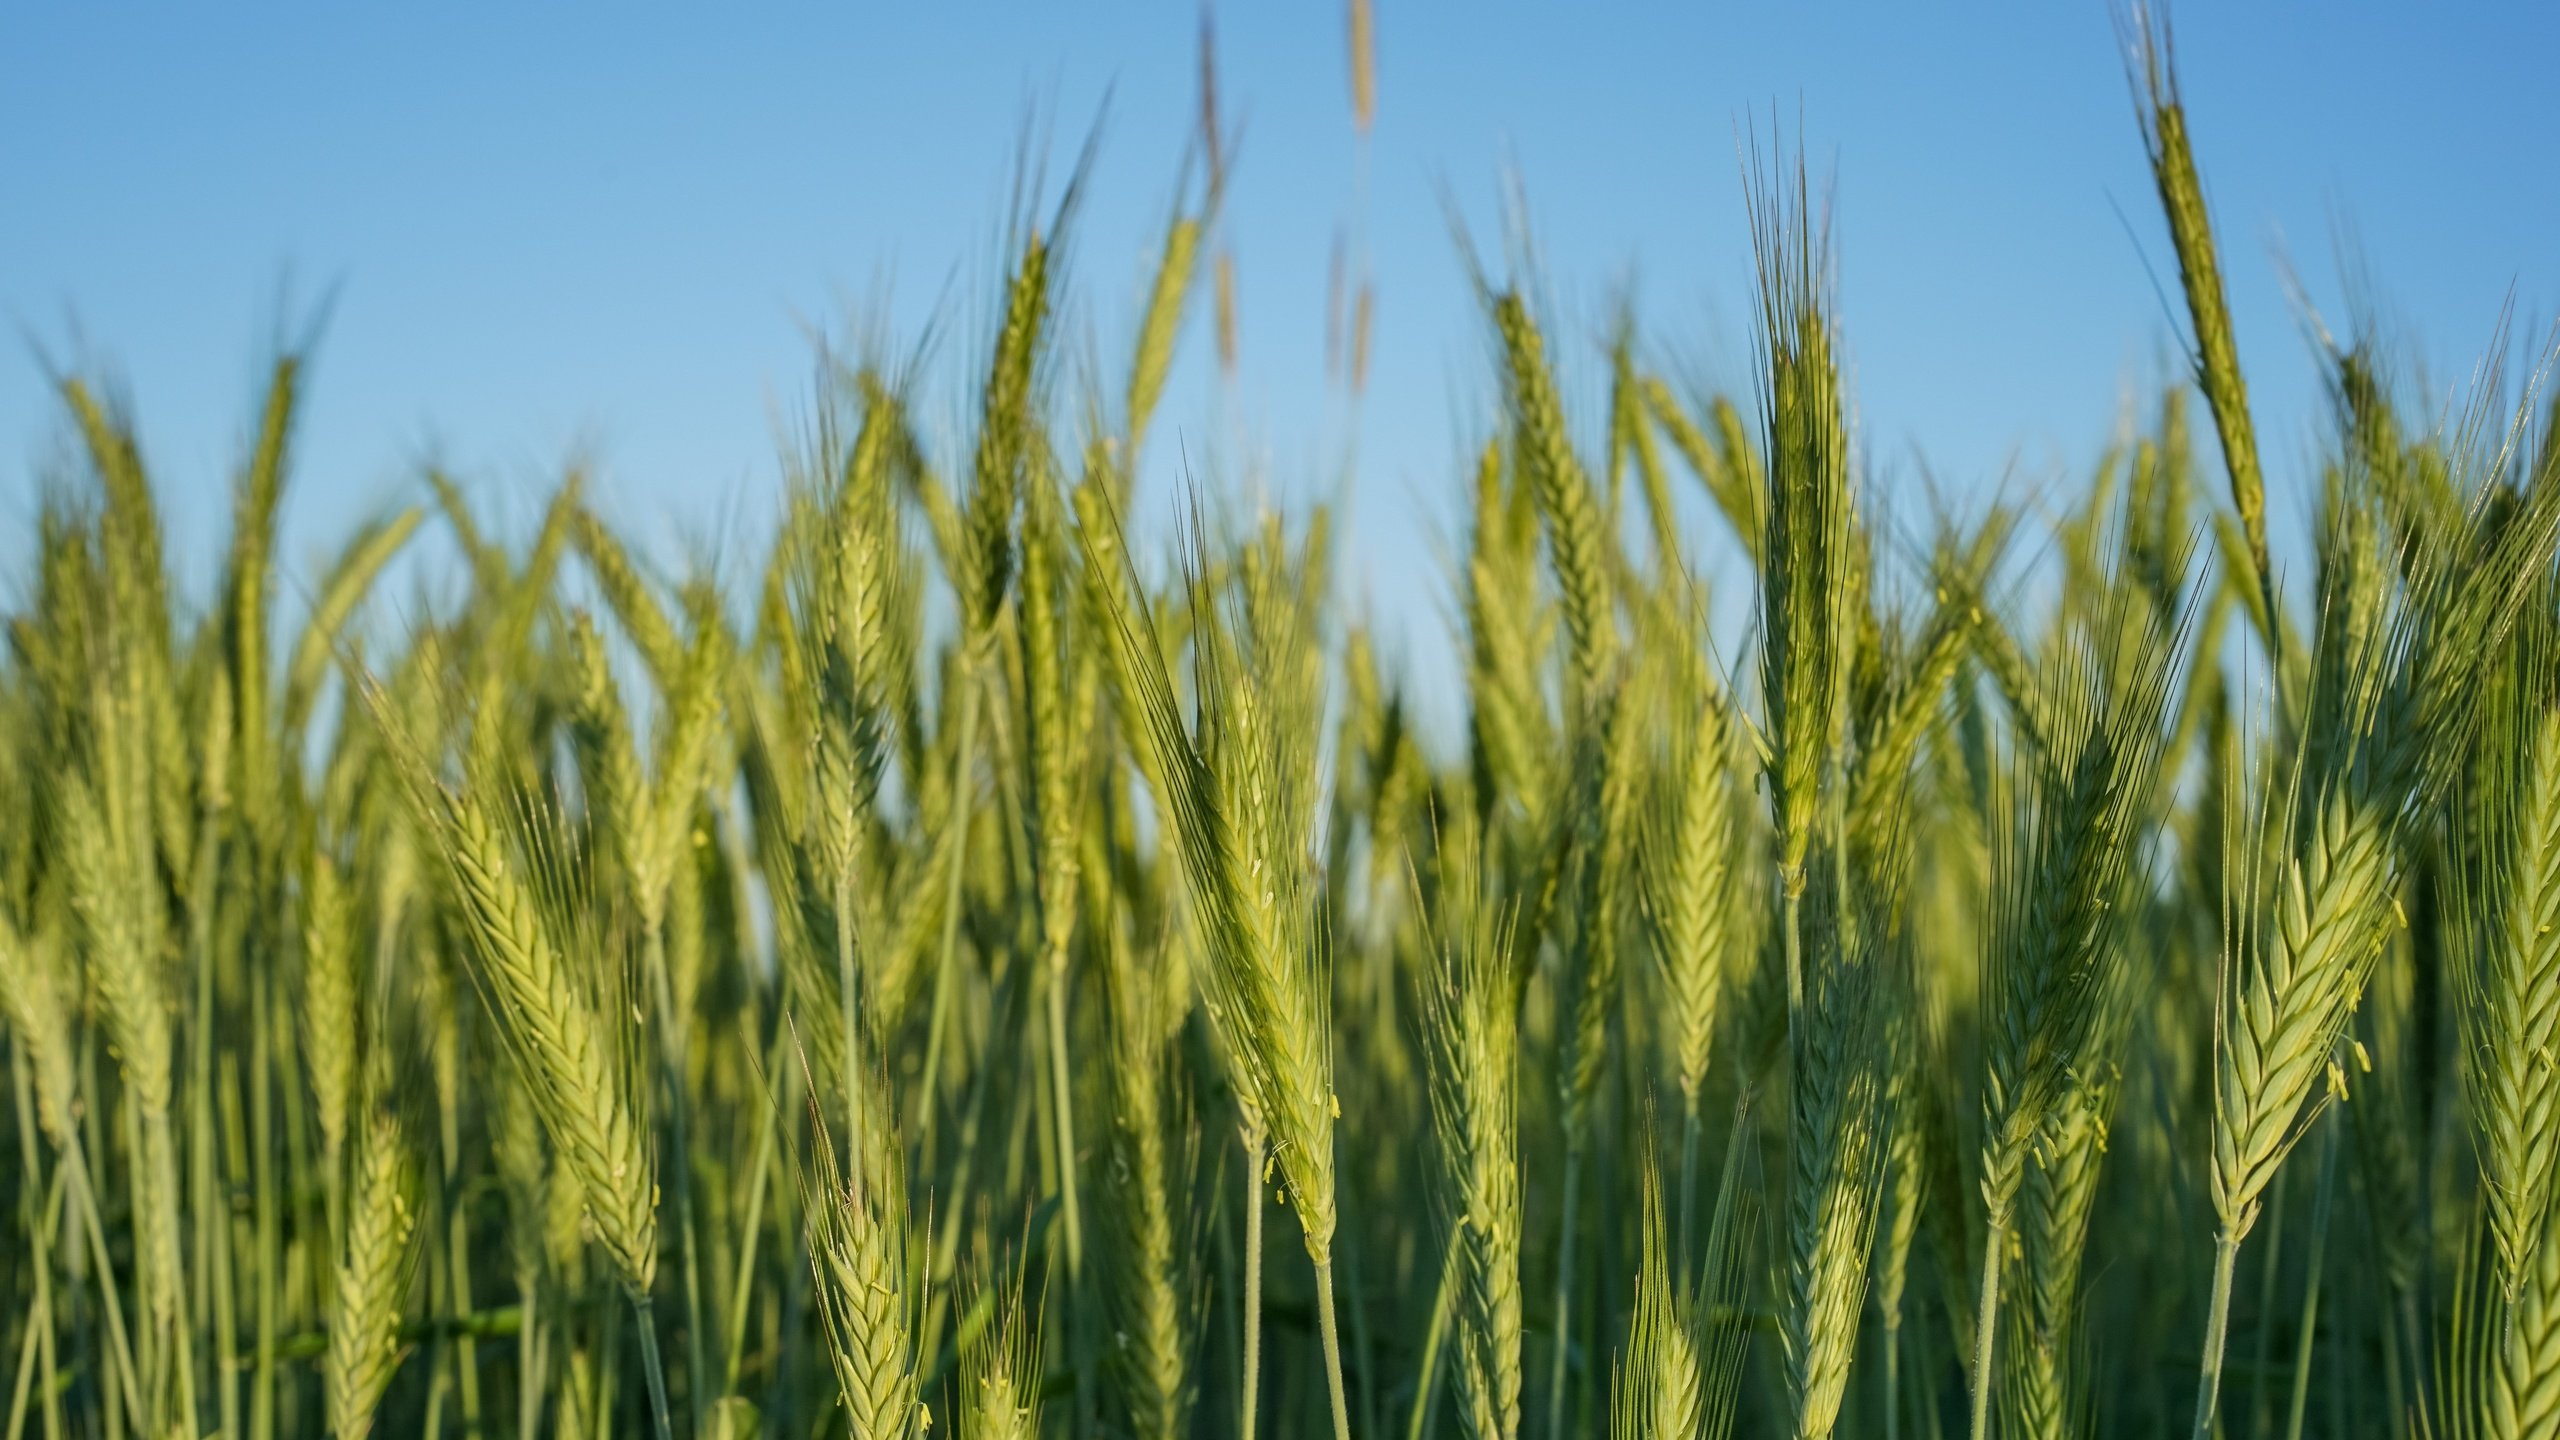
(611, 230)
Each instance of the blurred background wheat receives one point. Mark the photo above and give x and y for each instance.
(1019, 950)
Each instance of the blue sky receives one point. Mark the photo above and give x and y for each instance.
(558, 230)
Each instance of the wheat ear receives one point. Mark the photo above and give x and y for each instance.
(1473, 1033)
(374, 1266)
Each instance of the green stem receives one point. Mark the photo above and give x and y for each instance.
(946, 1255)
(36, 1349)
(671, 1052)
(1081, 1348)
(767, 1124)
(2271, 1269)
(212, 1288)
(161, 1150)
(946, 972)
(529, 1377)
(76, 1170)
(1066, 1113)
(1995, 1239)
(1688, 1174)
(1794, 927)
(2311, 1290)
(2226, 1252)
(270, 1218)
(1893, 1379)
(1557, 1369)
(602, 1400)
(1428, 1386)
(1252, 1377)
(39, 1317)
(456, 1253)
(649, 1362)
(848, 1001)
(1332, 1349)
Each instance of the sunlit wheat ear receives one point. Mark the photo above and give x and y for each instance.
(546, 1009)
(1662, 1384)
(2383, 753)
(643, 616)
(1149, 1159)
(1604, 837)
(1239, 804)
(1687, 862)
(329, 999)
(126, 979)
(359, 564)
(1577, 529)
(1005, 439)
(1680, 1374)
(2067, 856)
(1261, 979)
(2041, 1384)
(999, 1372)
(691, 746)
(2511, 975)
(2217, 358)
(1473, 1035)
(37, 999)
(2408, 709)
(1839, 1129)
(600, 731)
(1806, 571)
(1510, 727)
(2514, 1389)
(1168, 301)
(1056, 741)
(857, 1237)
(373, 1270)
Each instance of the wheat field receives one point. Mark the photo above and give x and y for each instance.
(1000, 968)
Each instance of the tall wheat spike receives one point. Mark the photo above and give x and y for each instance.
(1726, 467)
(373, 1273)
(1662, 1385)
(330, 987)
(1805, 579)
(1242, 843)
(1688, 861)
(1146, 1169)
(2066, 866)
(1679, 1378)
(1473, 1033)
(569, 1050)
(2407, 704)
(1000, 1378)
(1177, 267)
(2511, 973)
(35, 1000)
(856, 1216)
(1838, 1134)
(2040, 1387)
(2163, 118)
(1577, 534)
